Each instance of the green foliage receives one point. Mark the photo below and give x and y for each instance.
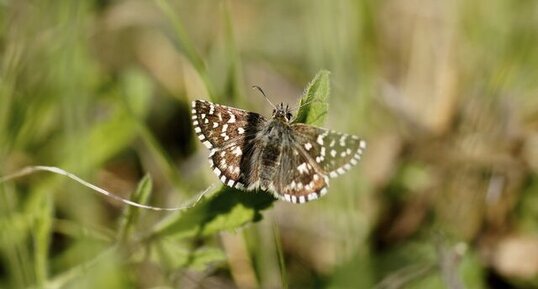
(227, 209)
(175, 256)
(314, 104)
(102, 89)
(131, 214)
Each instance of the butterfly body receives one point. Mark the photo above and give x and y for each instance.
(292, 161)
(271, 140)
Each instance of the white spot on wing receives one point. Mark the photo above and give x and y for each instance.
(302, 168)
(237, 151)
(240, 130)
(343, 140)
(320, 139)
(216, 171)
(308, 146)
(293, 185)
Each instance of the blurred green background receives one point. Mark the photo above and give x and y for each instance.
(445, 93)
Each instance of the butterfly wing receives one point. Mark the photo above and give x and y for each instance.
(332, 152)
(298, 179)
(226, 132)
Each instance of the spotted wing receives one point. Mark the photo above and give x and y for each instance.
(225, 131)
(332, 152)
(298, 178)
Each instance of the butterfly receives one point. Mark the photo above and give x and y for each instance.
(293, 161)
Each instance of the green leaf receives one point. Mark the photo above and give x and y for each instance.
(174, 256)
(227, 209)
(98, 138)
(130, 216)
(314, 103)
(42, 237)
(137, 90)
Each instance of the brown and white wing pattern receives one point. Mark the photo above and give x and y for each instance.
(225, 131)
(333, 152)
(292, 161)
(298, 178)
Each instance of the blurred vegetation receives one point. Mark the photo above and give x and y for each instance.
(445, 93)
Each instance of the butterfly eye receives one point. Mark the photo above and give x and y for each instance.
(288, 115)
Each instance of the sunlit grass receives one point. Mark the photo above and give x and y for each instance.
(444, 93)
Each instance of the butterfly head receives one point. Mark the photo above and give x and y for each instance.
(282, 113)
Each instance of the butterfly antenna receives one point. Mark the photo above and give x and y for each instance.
(263, 93)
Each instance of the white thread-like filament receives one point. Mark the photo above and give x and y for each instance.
(33, 169)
